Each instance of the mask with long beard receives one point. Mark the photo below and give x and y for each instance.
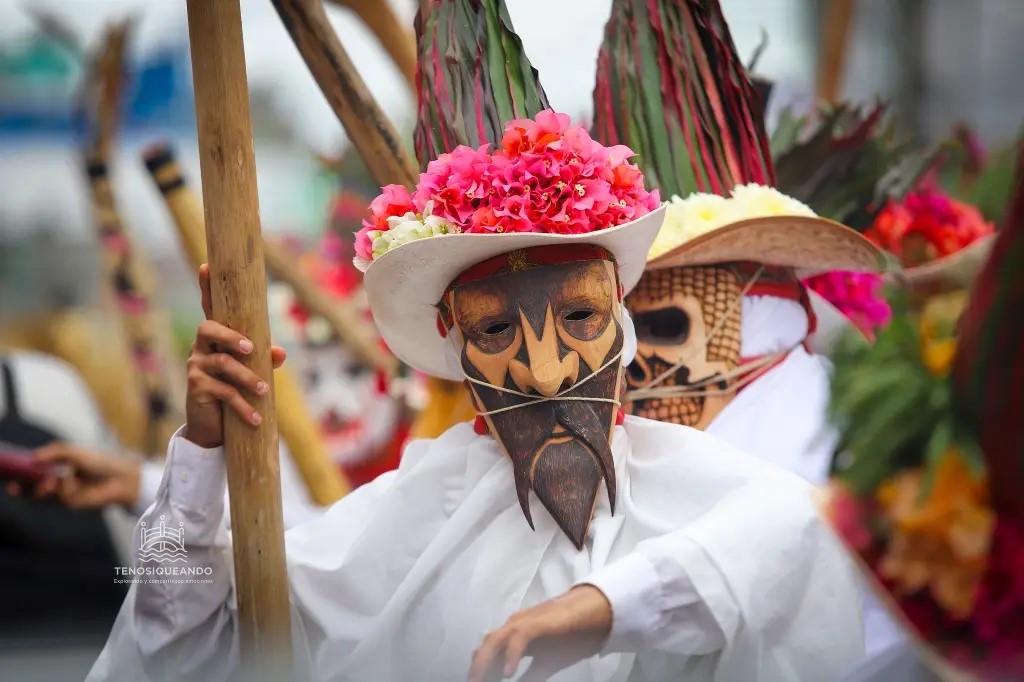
(540, 342)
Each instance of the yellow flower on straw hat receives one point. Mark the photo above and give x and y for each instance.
(698, 214)
(689, 218)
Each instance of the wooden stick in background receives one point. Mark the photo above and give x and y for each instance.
(148, 340)
(147, 333)
(399, 41)
(343, 317)
(80, 339)
(376, 141)
(324, 481)
(239, 289)
(836, 26)
(366, 125)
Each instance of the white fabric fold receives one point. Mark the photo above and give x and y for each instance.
(782, 418)
(401, 579)
(297, 505)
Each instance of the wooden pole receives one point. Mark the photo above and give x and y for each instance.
(399, 41)
(366, 125)
(239, 289)
(324, 481)
(835, 38)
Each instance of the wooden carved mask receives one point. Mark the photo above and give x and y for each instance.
(688, 337)
(540, 342)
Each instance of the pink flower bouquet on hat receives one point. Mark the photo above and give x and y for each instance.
(546, 176)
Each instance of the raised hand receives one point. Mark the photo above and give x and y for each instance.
(217, 378)
(555, 634)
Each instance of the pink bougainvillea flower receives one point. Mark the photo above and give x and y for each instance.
(547, 175)
(858, 295)
(393, 200)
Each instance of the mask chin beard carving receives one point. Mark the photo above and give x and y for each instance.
(675, 311)
(540, 345)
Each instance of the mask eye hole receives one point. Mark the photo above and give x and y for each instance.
(579, 315)
(663, 327)
(493, 336)
(496, 328)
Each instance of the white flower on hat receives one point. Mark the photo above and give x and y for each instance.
(406, 228)
(686, 219)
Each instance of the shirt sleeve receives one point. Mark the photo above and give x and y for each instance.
(758, 580)
(187, 629)
(655, 605)
(150, 475)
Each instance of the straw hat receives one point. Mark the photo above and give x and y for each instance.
(955, 271)
(405, 284)
(761, 225)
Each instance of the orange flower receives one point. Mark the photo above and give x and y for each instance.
(942, 542)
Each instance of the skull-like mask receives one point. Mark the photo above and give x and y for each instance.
(540, 342)
(687, 323)
(356, 415)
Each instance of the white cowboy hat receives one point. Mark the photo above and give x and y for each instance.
(405, 284)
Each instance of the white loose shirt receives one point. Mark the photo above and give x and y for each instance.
(717, 567)
(782, 418)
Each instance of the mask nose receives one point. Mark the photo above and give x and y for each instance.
(544, 373)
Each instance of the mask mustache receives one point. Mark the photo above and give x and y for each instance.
(565, 476)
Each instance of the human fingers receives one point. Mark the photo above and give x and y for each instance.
(213, 336)
(486, 665)
(205, 390)
(225, 368)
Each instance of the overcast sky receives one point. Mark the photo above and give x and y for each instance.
(561, 38)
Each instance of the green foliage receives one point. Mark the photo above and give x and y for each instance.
(671, 86)
(472, 76)
(892, 412)
(849, 165)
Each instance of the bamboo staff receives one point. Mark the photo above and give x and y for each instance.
(835, 39)
(79, 339)
(126, 269)
(398, 41)
(238, 287)
(324, 481)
